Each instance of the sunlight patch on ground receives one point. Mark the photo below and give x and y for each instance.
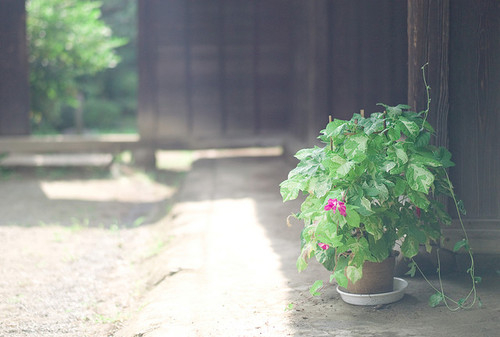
(182, 160)
(106, 190)
(58, 160)
(226, 270)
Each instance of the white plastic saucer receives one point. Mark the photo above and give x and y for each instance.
(376, 299)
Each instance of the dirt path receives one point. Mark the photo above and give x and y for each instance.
(230, 271)
(71, 245)
(99, 255)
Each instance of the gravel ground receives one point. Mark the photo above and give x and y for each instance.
(108, 254)
(72, 242)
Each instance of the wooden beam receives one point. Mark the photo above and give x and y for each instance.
(428, 42)
(14, 87)
(147, 114)
(69, 144)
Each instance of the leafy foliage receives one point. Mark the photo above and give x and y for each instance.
(67, 41)
(387, 173)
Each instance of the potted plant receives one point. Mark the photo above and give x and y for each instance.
(374, 185)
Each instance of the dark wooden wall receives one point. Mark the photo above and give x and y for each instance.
(474, 118)
(428, 37)
(236, 69)
(213, 70)
(348, 55)
(460, 40)
(14, 88)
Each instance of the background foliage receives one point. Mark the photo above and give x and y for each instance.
(75, 51)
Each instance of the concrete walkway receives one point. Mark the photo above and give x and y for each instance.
(229, 270)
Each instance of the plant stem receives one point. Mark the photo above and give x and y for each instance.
(427, 91)
(473, 292)
(331, 138)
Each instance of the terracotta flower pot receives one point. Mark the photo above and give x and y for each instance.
(378, 277)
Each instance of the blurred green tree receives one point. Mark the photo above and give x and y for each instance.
(68, 43)
(111, 95)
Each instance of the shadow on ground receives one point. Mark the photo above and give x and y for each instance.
(230, 271)
(120, 197)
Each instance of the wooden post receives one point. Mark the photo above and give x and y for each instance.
(310, 68)
(428, 40)
(147, 54)
(14, 86)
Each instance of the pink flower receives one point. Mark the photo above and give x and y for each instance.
(417, 211)
(333, 204)
(323, 246)
(342, 208)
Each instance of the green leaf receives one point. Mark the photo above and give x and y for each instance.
(374, 225)
(325, 230)
(419, 199)
(310, 208)
(360, 250)
(444, 156)
(392, 111)
(429, 127)
(461, 207)
(419, 178)
(335, 128)
(290, 189)
(424, 160)
(382, 192)
(400, 186)
(413, 268)
(409, 248)
(304, 153)
(315, 153)
(353, 273)
(341, 278)
(333, 162)
(320, 186)
(373, 125)
(301, 263)
(352, 217)
(339, 273)
(410, 126)
(462, 243)
(423, 139)
(326, 258)
(365, 207)
(315, 287)
(388, 165)
(394, 134)
(345, 168)
(435, 299)
(440, 211)
(355, 147)
(403, 106)
(401, 153)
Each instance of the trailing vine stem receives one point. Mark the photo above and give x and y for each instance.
(473, 291)
(427, 92)
(469, 251)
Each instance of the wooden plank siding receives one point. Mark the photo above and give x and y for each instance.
(369, 55)
(460, 41)
(222, 71)
(474, 118)
(428, 36)
(348, 55)
(14, 87)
